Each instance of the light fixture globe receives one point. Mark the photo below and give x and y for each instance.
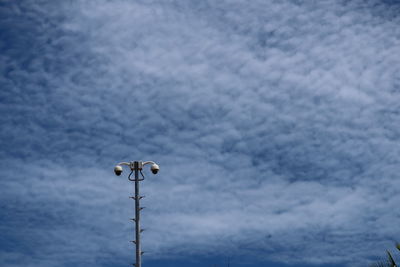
(154, 168)
(118, 170)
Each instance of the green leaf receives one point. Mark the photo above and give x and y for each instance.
(391, 260)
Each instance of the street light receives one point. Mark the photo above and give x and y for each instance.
(137, 166)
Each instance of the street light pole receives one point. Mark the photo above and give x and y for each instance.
(137, 217)
(136, 166)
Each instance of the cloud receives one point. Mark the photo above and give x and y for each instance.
(274, 123)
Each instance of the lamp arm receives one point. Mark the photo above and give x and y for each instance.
(124, 163)
(148, 162)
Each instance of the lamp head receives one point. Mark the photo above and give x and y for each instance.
(154, 168)
(118, 170)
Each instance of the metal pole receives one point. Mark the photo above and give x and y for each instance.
(137, 216)
(137, 166)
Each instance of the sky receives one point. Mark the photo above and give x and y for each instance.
(275, 124)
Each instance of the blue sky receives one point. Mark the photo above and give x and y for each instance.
(275, 123)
